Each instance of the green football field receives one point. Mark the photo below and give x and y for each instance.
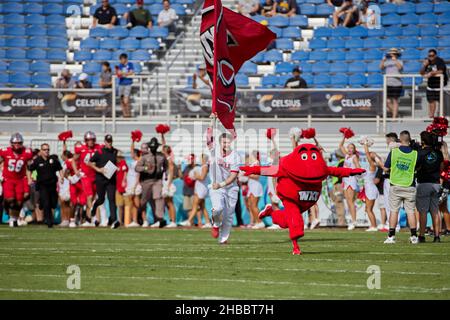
(188, 264)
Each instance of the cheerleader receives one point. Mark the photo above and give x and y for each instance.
(169, 189)
(370, 189)
(255, 191)
(350, 183)
(274, 156)
(132, 196)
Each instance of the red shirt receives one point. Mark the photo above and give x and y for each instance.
(69, 167)
(122, 170)
(86, 154)
(15, 165)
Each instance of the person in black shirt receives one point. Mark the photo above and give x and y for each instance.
(47, 167)
(296, 82)
(431, 68)
(104, 185)
(105, 16)
(430, 160)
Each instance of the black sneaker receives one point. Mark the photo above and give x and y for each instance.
(162, 223)
(446, 233)
(437, 239)
(115, 225)
(421, 239)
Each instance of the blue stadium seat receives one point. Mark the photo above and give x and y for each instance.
(308, 9)
(318, 55)
(102, 55)
(40, 66)
(34, 19)
(278, 21)
(428, 42)
(269, 81)
(312, 1)
(317, 44)
(273, 56)
(411, 30)
(445, 54)
(340, 32)
(184, 1)
(121, 9)
(159, 32)
(55, 19)
(92, 67)
(2, 54)
(322, 32)
(411, 54)
(282, 79)
(59, 55)
(407, 7)
(393, 31)
(321, 67)
(337, 67)
(354, 55)
(4, 79)
(12, 7)
(82, 55)
(444, 30)
(57, 43)
(41, 80)
(140, 55)
(336, 43)
(139, 32)
(37, 42)
(13, 18)
(409, 43)
(357, 80)
(259, 18)
(324, 10)
(388, 8)
(89, 43)
(443, 6)
(32, 8)
(249, 68)
(428, 18)
(284, 67)
(20, 78)
(36, 31)
(291, 32)
(373, 54)
(408, 81)
(390, 19)
(444, 42)
(321, 80)
(241, 80)
(130, 43)
(2, 30)
(354, 43)
(278, 31)
(16, 42)
(300, 55)
(308, 79)
(15, 31)
(336, 55)
(284, 44)
(390, 43)
(373, 66)
(424, 7)
(429, 30)
(375, 80)
(298, 21)
(3, 67)
(357, 67)
(118, 32)
(98, 32)
(412, 67)
(110, 44)
(375, 32)
(36, 54)
(57, 31)
(339, 80)
(19, 66)
(444, 18)
(180, 10)
(137, 68)
(53, 8)
(259, 57)
(150, 44)
(358, 31)
(15, 54)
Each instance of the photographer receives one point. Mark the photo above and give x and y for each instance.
(430, 160)
(392, 65)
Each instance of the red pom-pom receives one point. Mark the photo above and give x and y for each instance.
(347, 132)
(162, 128)
(189, 182)
(270, 133)
(308, 133)
(63, 136)
(439, 126)
(136, 135)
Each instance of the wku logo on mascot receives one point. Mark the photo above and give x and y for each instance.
(299, 183)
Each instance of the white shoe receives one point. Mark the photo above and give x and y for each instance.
(72, 224)
(314, 224)
(390, 240)
(207, 226)
(88, 224)
(155, 225)
(185, 223)
(104, 224)
(397, 228)
(28, 218)
(64, 224)
(414, 240)
(13, 224)
(381, 226)
(372, 229)
(259, 225)
(351, 226)
(22, 223)
(171, 225)
(133, 225)
(145, 224)
(274, 227)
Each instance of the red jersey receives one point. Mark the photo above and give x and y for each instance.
(85, 155)
(69, 166)
(15, 165)
(122, 170)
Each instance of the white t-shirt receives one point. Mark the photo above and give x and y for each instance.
(166, 17)
(222, 167)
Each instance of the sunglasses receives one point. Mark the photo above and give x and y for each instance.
(45, 149)
(20, 143)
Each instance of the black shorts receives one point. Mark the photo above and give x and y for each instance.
(394, 92)
(433, 96)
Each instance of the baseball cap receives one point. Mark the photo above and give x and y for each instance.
(109, 138)
(83, 77)
(297, 69)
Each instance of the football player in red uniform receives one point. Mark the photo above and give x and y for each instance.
(87, 174)
(15, 182)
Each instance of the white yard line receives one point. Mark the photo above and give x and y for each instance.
(76, 292)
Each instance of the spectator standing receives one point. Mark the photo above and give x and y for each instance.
(105, 185)
(124, 70)
(347, 15)
(83, 82)
(139, 16)
(430, 160)
(106, 76)
(105, 16)
(203, 78)
(167, 17)
(296, 82)
(433, 66)
(402, 162)
(248, 8)
(393, 65)
(47, 167)
(266, 9)
(65, 81)
(286, 8)
(188, 184)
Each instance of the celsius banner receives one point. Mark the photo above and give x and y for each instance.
(52, 103)
(261, 103)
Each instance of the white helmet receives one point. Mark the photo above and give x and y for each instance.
(90, 135)
(16, 138)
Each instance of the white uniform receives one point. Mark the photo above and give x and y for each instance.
(132, 176)
(254, 186)
(386, 188)
(350, 181)
(64, 190)
(369, 186)
(224, 200)
(168, 191)
(201, 186)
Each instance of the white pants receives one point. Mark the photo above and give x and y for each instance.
(223, 204)
(386, 188)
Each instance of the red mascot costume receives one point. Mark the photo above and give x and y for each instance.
(299, 184)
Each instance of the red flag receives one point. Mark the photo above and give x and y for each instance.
(228, 40)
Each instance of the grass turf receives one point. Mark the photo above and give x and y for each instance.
(188, 264)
